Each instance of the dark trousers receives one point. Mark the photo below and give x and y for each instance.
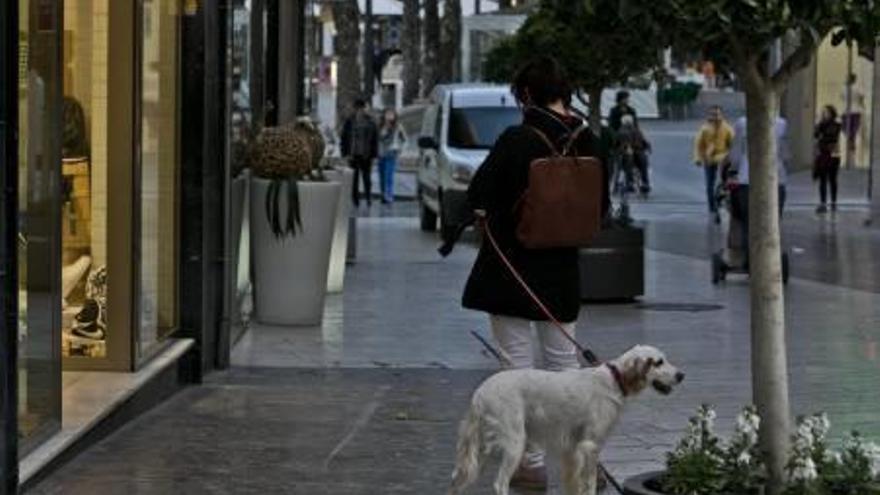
(641, 159)
(741, 210)
(827, 176)
(361, 168)
(711, 172)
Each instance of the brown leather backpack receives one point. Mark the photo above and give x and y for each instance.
(562, 205)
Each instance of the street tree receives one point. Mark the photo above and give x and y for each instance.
(431, 54)
(411, 42)
(751, 33)
(595, 45)
(346, 16)
(450, 41)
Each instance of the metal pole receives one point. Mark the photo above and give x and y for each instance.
(477, 7)
(875, 140)
(850, 131)
(369, 54)
(9, 247)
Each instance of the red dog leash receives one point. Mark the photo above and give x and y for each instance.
(588, 355)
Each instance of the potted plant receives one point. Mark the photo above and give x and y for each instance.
(702, 464)
(292, 213)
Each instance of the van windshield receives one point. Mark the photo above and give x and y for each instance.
(479, 127)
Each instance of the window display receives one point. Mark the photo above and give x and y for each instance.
(84, 171)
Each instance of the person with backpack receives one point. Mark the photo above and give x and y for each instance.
(360, 144)
(544, 93)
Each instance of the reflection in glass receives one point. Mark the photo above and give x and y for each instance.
(38, 79)
(158, 169)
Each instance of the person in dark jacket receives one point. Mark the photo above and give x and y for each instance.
(615, 117)
(827, 163)
(544, 93)
(360, 144)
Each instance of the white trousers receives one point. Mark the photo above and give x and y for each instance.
(514, 336)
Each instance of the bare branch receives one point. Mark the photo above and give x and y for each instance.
(798, 60)
(745, 64)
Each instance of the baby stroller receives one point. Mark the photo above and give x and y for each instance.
(732, 258)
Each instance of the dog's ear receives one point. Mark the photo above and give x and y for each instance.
(635, 376)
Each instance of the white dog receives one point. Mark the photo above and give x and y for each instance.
(570, 413)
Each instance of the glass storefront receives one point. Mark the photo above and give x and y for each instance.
(40, 207)
(160, 27)
(99, 188)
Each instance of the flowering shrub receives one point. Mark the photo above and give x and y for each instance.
(701, 464)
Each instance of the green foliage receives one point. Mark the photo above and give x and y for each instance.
(695, 466)
(594, 43)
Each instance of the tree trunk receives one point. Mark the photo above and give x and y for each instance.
(369, 78)
(450, 38)
(431, 60)
(595, 95)
(346, 16)
(411, 41)
(769, 367)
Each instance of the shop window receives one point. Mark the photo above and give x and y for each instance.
(158, 172)
(39, 82)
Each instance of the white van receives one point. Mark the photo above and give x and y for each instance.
(459, 127)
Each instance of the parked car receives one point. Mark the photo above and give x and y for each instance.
(460, 124)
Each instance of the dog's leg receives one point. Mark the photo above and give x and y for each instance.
(571, 468)
(588, 462)
(512, 450)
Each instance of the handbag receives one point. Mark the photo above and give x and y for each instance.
(562, 204)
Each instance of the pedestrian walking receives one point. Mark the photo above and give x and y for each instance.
(391, 142)
(544, 92)
(632, 149)
(360, 145)
(739, 158)
(827, 163)
(711, 149)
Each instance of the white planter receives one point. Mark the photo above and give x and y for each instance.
(239, 251)
(290, 274)
(336, 274)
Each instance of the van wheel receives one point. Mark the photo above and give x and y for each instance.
(428, 218)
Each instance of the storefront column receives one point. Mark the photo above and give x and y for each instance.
(202, 180)
(8, 247)
(291, 60)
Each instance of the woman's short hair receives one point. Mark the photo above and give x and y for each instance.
(832, 111)
(541, 81)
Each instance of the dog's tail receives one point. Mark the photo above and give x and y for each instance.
(469, 451)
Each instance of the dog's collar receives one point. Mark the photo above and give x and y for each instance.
(618, 378)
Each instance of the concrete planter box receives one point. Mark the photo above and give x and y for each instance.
(613, 267)
(336, 275)
(636, 484)
(290, 274)
(238, 207)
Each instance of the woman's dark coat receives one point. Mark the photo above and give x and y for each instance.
(552, 273)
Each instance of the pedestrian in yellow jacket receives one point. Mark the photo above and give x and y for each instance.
(711, 147)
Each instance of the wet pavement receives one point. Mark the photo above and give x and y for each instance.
(369, 402)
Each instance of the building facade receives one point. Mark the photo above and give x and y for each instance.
(119, 124)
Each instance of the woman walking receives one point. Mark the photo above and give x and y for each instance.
(544, 93)
(391, 141)
(827, 163)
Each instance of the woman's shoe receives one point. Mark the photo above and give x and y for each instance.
(833, 206)
(821, 208)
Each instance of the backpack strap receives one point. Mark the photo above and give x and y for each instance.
(568, 144)
(544, 138)
(572, 138)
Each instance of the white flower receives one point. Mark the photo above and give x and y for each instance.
(805, 470)
(744, 458)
